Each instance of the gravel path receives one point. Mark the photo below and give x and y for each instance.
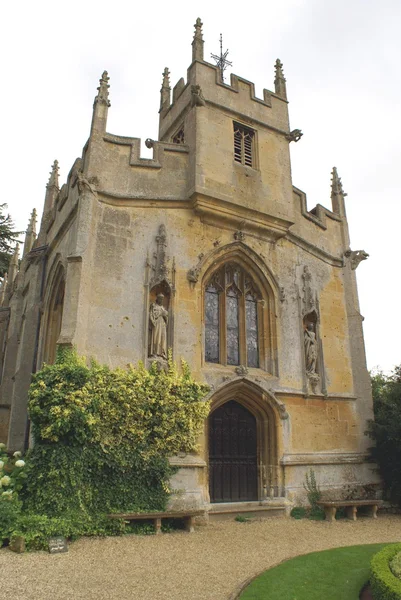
(207, 565)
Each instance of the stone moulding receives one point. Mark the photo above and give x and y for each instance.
(187, 460)
(324, 458)
(268, 394)
(324, 256)
(227, 215)
(230, 251)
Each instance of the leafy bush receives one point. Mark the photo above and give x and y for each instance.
(385, 430)
(384, 585)
(9, 515)
(102, 442)
(312, 490)
(395, 565)
(12, 477)
(298, 512)
(243, 518)
(317, 513)
(12, 474)
(37, 529)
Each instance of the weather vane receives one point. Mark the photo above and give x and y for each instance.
(221, 61)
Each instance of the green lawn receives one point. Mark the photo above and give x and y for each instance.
(335, 574)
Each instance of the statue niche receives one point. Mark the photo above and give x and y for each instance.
(159, 303)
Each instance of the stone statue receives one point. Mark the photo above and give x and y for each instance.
(310, 349)
(85, 184)
(158, 318)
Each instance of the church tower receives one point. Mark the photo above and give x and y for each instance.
(206, 248)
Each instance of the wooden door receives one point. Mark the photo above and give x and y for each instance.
(232, 454)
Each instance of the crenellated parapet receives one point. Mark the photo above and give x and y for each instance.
(238, 97)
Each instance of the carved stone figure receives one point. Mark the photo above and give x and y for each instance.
(84, 184)
(158, 318)
(356, 257)
(310, 349)
(294, 135)
(197, 98)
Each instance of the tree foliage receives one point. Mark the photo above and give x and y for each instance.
(8, 238)
(385, 430)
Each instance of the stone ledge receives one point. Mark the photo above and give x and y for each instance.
(324, 458)
(187, 461)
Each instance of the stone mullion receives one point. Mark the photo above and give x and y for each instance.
(242, 329)
(223, 328)
(263, 333)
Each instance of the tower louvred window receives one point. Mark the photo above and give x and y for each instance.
(244, 145)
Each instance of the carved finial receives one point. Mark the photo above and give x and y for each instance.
(336, 184)
(30, 236)
(165, 91)
(166, 79)
(3, 289)
(53, 179)
(197, 43)
(12, 270)
(279, 81)
(103, 90)
(337, 194)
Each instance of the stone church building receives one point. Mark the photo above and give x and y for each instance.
(208, 249)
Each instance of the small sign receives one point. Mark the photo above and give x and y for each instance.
(57, 544)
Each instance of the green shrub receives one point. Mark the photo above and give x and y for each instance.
(9, 514)
(395, 565)
(298, 512)
(312, 490)
(102, 442)
(12, 474)
(384, 585)
(243, 518)
(317, 513)
(37, 529)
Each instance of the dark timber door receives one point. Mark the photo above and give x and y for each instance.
(232, 454)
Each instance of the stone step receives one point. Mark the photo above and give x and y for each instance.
(229, 510)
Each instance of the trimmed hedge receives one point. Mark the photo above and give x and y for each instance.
(395, 565)
(384, 585)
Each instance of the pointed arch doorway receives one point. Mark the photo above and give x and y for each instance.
(233, 454)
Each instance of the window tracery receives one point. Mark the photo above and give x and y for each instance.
(233, 315)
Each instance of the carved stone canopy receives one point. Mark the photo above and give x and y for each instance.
(160, 268)
(309, 304)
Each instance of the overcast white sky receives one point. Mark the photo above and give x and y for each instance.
(342, 64)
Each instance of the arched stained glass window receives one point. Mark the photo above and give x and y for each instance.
(232, 317)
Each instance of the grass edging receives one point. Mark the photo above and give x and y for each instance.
(312, 575)
(385, 585)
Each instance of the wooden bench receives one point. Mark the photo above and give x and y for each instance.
(351, 507)
(187, 516)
